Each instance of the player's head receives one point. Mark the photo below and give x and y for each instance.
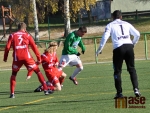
(81, 31)
(117, 15)
(22, 26)
(52, 47)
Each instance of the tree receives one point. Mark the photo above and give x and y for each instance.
(45, 7)
(76, 5)
(70, 9)
(35, 21)
(66, 17)
(22, 9)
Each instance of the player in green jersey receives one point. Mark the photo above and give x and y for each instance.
(70, 54)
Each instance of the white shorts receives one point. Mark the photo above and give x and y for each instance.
(72, 60)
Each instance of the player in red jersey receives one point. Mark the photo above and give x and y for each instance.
(20, 42)
(50, 62)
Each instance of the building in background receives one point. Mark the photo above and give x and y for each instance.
(101, 10)
(129, 5)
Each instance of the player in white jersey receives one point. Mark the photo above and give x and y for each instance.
(120, 32)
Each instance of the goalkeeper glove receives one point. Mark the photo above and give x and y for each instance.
(78, 54)
(98, 52)
(82, 52)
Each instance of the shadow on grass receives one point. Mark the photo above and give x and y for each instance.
(16, 92)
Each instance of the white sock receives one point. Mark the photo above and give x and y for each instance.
(76, 71)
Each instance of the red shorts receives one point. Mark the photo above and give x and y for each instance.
(29, 63)
(53, 75)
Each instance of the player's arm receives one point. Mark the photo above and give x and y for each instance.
(34, 48)
(104, 38)
(7, 48)
(135, 33)
(56, 61)
(68, 46)
(44, 58)
(81, 45)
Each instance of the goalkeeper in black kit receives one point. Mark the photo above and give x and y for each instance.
(120, 32)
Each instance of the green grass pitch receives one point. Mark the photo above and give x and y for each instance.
(93, 94)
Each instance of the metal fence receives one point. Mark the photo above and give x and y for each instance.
(141, 49)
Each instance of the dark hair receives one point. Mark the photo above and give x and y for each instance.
(116, 14)
(21, 25)
(83, 29)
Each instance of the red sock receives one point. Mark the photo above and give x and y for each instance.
(12, 84)
(42, 88)
(42, 80)
(61, 80)
(51, 88)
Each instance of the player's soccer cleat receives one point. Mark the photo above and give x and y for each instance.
(12, 96)
(118, 95)
(137, 92)
(74, 80)
(50, 91)
(47, 92)
(38, 89)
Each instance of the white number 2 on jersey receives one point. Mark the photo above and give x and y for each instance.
(20, 39)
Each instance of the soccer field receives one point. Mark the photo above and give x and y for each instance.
(93, 94)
